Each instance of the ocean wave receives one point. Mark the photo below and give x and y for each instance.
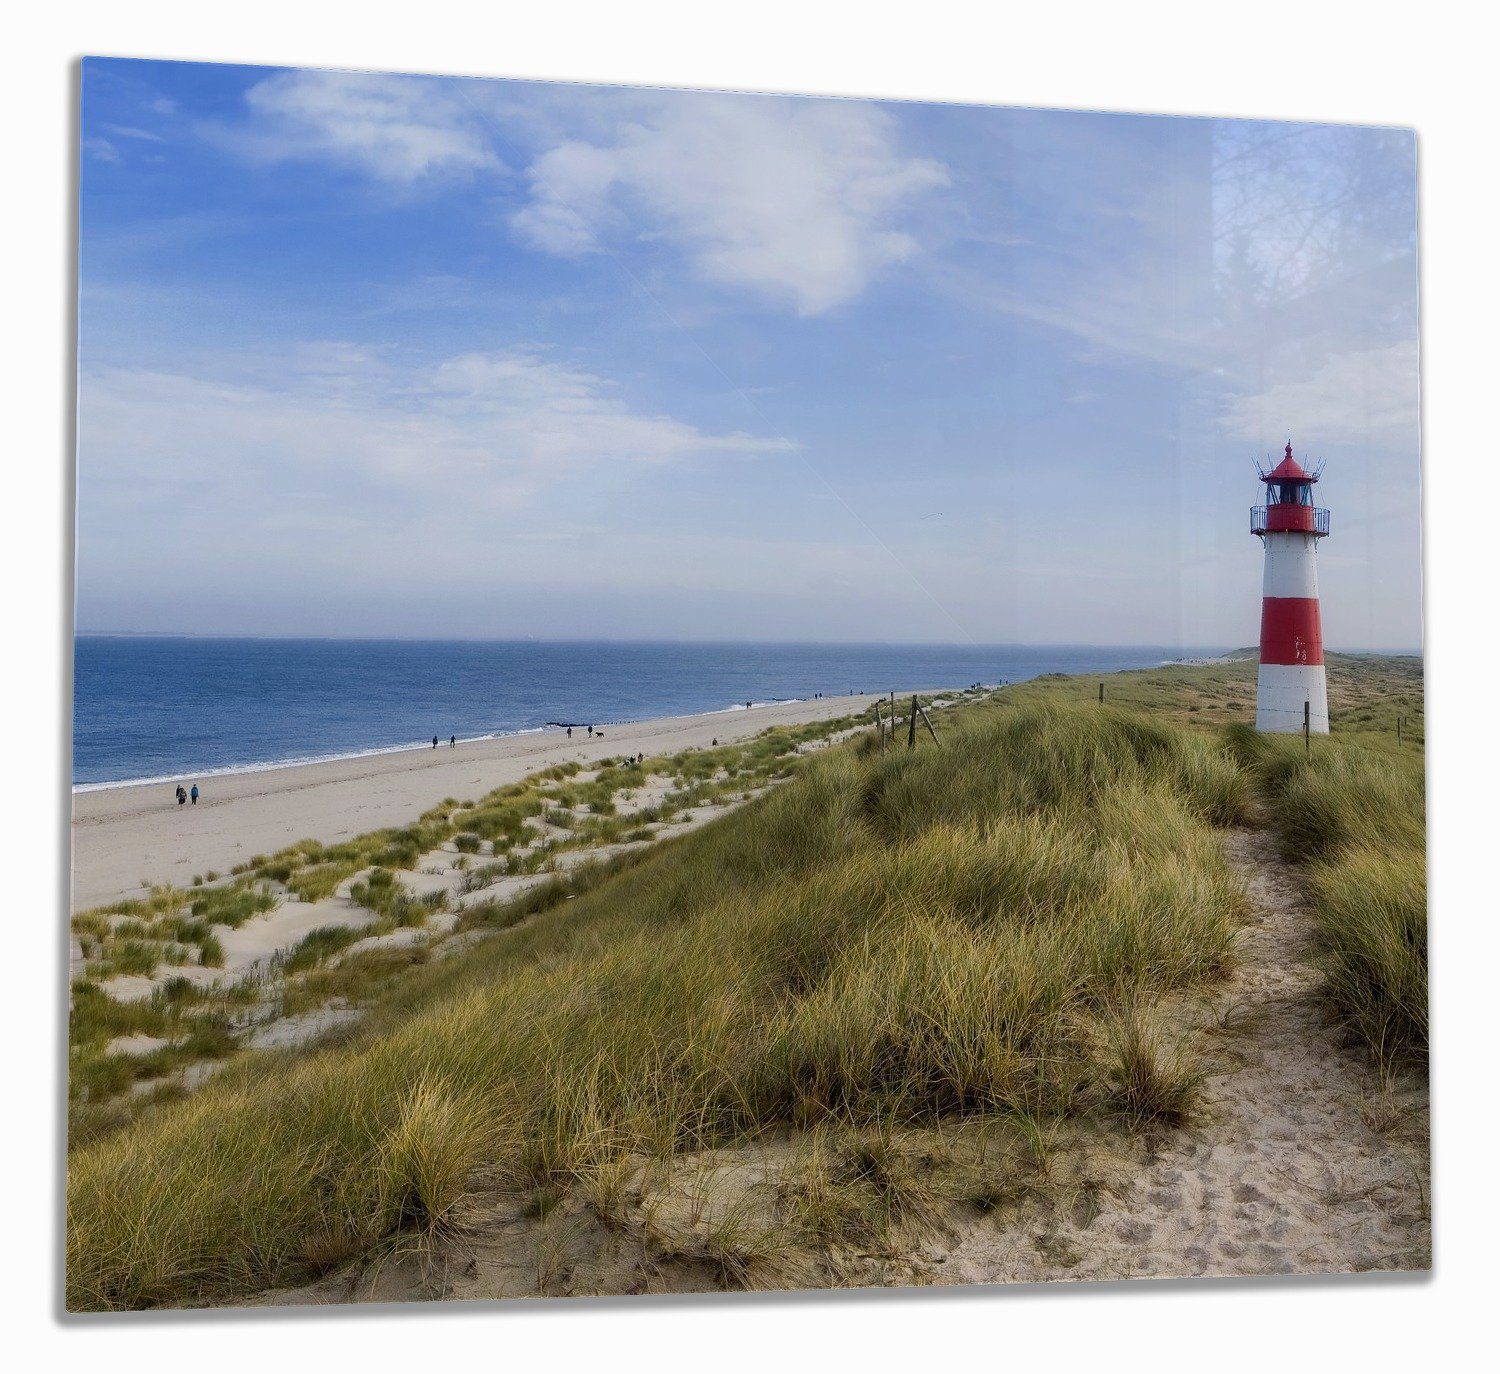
(295, 761)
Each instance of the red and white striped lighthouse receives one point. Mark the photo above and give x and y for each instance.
(1292, 687)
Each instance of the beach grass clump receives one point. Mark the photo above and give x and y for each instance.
(485, 875)
(94, 1017)
(320, 881)
(317, 945)
(904, 940)
(130, 956)
(172, 926)
(1351, 795)
(1153, 1078)
(1371, 904)
(382, 892)
(503, 821)
(233, 905)
(356, 979)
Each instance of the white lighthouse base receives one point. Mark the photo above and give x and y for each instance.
(1280, 692)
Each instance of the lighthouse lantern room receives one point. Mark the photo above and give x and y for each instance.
(1292, 687)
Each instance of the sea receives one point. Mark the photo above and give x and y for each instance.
(150, 708)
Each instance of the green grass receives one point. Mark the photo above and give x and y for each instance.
(1152, 1078)
(172, 926)
(975, 931)
(231, 906)
(318, 945)
(1366, 692)
(1372, 927)
(1351, 813)
(318, 882)
(169, 926)
(1354, 812)
(382, 892)
(175, 1014)
(355, 980)
(930, 934)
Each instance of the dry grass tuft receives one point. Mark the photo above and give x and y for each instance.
(1152, 1078)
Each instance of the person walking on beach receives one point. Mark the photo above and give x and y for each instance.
(453, 741)
(591, 732)
(194, 794)
(570, 732)
(434, 741)
(181, 795)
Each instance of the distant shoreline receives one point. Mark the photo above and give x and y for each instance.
(377, 751)
(149, 709)
(125, 836)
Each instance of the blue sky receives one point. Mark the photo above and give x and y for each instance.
(366, 354)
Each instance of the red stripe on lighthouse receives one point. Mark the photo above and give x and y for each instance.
(1291, 630)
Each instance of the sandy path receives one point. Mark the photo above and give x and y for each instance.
(1297, 1164)
(125, 835)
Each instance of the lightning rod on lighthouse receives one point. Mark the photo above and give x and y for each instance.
(1292, 686)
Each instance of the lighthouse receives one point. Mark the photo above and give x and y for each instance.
(1292, 687)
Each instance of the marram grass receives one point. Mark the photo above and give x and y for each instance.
(1354, 810)
(953, 930)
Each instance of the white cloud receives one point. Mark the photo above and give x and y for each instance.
(342, 421)
(102, 149)
(333, 482)
(127, 131)
(395, 128)
(798, 201)
(1367, 397)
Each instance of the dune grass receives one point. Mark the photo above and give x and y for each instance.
(895, 941)
(947, 932)
(189, 1025)
(1366, 692)
(172, 927)
(1354, 812)
(1352, 815)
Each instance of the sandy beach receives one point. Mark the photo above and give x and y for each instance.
(126, 836)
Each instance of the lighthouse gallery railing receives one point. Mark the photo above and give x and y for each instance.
(1293, 518)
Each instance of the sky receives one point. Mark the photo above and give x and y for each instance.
(367, 354)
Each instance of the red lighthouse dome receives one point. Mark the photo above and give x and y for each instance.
(1289, 504)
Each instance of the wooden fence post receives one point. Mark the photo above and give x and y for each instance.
(1307, 727)
(928, 724)
(1101, 694)
(911, 726)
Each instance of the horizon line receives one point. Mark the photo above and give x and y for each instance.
(1404, 651)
